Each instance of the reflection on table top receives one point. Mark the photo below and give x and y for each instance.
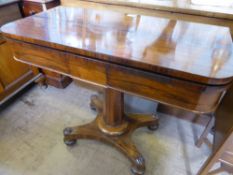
(197, 52)
(195, 7)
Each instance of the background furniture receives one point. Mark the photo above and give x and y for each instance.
(13, 75)
(224, 153)
(31, 7)
(204, 136)
(224, 156)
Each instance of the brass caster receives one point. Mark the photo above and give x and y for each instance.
(70, 142)
(138, 167)
(135, 171)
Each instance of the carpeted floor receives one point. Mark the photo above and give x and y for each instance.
(31, 139)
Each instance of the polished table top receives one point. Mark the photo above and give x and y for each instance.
(191, 51)
(209, 8)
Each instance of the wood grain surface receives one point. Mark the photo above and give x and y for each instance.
(206, 8)
(190, 51)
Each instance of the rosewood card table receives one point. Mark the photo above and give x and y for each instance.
(187, 65)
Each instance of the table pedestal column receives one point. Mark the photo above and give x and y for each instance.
(113, 127)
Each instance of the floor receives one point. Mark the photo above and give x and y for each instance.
(31, 140)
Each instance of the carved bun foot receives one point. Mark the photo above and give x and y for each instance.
(121, 142)
(68, 141)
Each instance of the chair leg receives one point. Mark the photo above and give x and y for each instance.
(216, 171)
(203, 138)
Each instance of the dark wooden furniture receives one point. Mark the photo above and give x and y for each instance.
(187, 65)
(176, 10)
(13, 75)
(224, 153)
(31, 7)
(173, 9)
(224, 156)
(207, 12)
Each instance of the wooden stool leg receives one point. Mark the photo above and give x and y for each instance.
(113, 127)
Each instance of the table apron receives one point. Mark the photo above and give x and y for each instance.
(165, 89)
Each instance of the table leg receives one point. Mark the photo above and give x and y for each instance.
(113, 127)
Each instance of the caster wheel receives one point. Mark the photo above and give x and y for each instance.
(135, 171)
(70, 142)
(153, 127)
